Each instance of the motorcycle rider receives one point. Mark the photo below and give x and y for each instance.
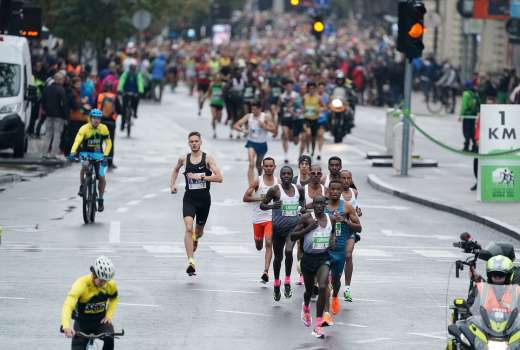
(344, 92)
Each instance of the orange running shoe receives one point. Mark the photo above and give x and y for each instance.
(327, 320)
(335, 306)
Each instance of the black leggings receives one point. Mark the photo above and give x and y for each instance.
(322, 277)
(279, 242)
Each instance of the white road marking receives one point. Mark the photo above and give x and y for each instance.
(436, 253)
(132, 179)
(166, 189)
(426, 335)
(121, 210)
(135, 202)
(242, 313)
(371, 252)
(389, 207)
(225, 291)
(12, 298)
(220, 231)
(390, 233)
(142, 305)
(114, 235)
(230, 250)
(351, 325)
(163, 249)
(369, 300)
(385, 260)
(228, 202)
(373, 340)
(150, 195)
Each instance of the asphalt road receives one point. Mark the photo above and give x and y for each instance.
(401, 264)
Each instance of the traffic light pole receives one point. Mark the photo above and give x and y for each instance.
(408, 76)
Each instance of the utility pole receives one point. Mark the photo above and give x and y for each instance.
(436, 31)
(408, 76)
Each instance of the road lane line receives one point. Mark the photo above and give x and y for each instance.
(166, 190)
(114, 235)
(135, 202)
(142, 305)
(12, 298)
(426, 335)
(373, 340)
(149, 196)
(367, 143)
(436, 253)
(389, 207)
(121, 210)
(351, 325)
(226, 291)
(243, 313)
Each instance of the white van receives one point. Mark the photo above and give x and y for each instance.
(16, 92)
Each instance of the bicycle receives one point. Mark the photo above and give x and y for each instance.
(92, 344)
(129, 112)
(438, 97)
(89, 185)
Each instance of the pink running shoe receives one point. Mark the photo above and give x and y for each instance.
(300, 280)
(306, 316)
(318, 332)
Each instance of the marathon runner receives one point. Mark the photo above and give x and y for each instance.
(259, 124)
(334, 171)
(314, 188)
(323, 118)
(304, 167)
(347, 223)
(202, 71)
(287, 201)
(275, 91)
(290, 103)
(349, 195)
(200, 170)
(317, 231)
(311, 107)
(216, 102)
(262, 219)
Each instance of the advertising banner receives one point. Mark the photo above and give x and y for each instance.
(499, 177)
(491, 9)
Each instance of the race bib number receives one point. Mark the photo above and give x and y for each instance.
(197, 184)
(276, 91)
(290, 209)
(320, 240)
(310, 111)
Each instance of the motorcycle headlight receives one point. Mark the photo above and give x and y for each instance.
(11, 108)
(497, 345)
(464, 339)
(337, 103)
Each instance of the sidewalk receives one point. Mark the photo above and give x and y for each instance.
(446, 187)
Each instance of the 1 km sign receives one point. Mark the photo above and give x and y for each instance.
(499, 178)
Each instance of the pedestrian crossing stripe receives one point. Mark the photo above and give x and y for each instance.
(436, 253)
(231, 250)
(163, 249)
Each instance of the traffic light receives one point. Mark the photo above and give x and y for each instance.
(411, 28)
(294, 2)
(318, 26)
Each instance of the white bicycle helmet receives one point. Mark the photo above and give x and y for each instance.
(104, 268)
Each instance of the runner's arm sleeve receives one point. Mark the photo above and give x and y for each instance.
(78, 140)
(70, 303)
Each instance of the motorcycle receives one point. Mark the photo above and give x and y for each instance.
(342, 110)
(488, 318)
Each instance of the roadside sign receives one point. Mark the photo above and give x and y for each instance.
(141, 19)
(499, 178)
(491, 9)
(472, 26)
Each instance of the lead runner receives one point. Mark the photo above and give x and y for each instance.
(200, 170)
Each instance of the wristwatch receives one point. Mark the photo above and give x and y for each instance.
(203, 176)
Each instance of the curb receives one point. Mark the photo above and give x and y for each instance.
(509, 230)
(9, 178)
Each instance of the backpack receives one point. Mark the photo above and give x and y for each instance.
(108, 106)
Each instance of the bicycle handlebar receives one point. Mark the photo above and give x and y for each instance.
(99, 335)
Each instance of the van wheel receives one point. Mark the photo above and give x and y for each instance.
(20, 145)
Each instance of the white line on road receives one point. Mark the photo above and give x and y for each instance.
(121, 210)
(166, 189)
(135, 202)
(114, 235)
(389, 207)
(143, 305)
(227, 291)
(373, 340)
(242, 313)
(369, 300)
(427, 335)
(367, 143)
(149, 196)
(12, 298)
(436, 253)
(351, 325)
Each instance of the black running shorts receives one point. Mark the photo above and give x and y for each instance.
(196, 207)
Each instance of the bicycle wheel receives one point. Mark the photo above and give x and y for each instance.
(93, 202)
(86, 201)
(434, 103)
(129, 116)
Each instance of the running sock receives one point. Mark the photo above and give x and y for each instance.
(191, 261)
(287, 280)
(318, 321)
(306, 308)
(347, 288)
(277, 282)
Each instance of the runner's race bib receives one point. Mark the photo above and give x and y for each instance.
(320, 240)
(310, 111)
(276, 91)
(197, 184)
(290, 209)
